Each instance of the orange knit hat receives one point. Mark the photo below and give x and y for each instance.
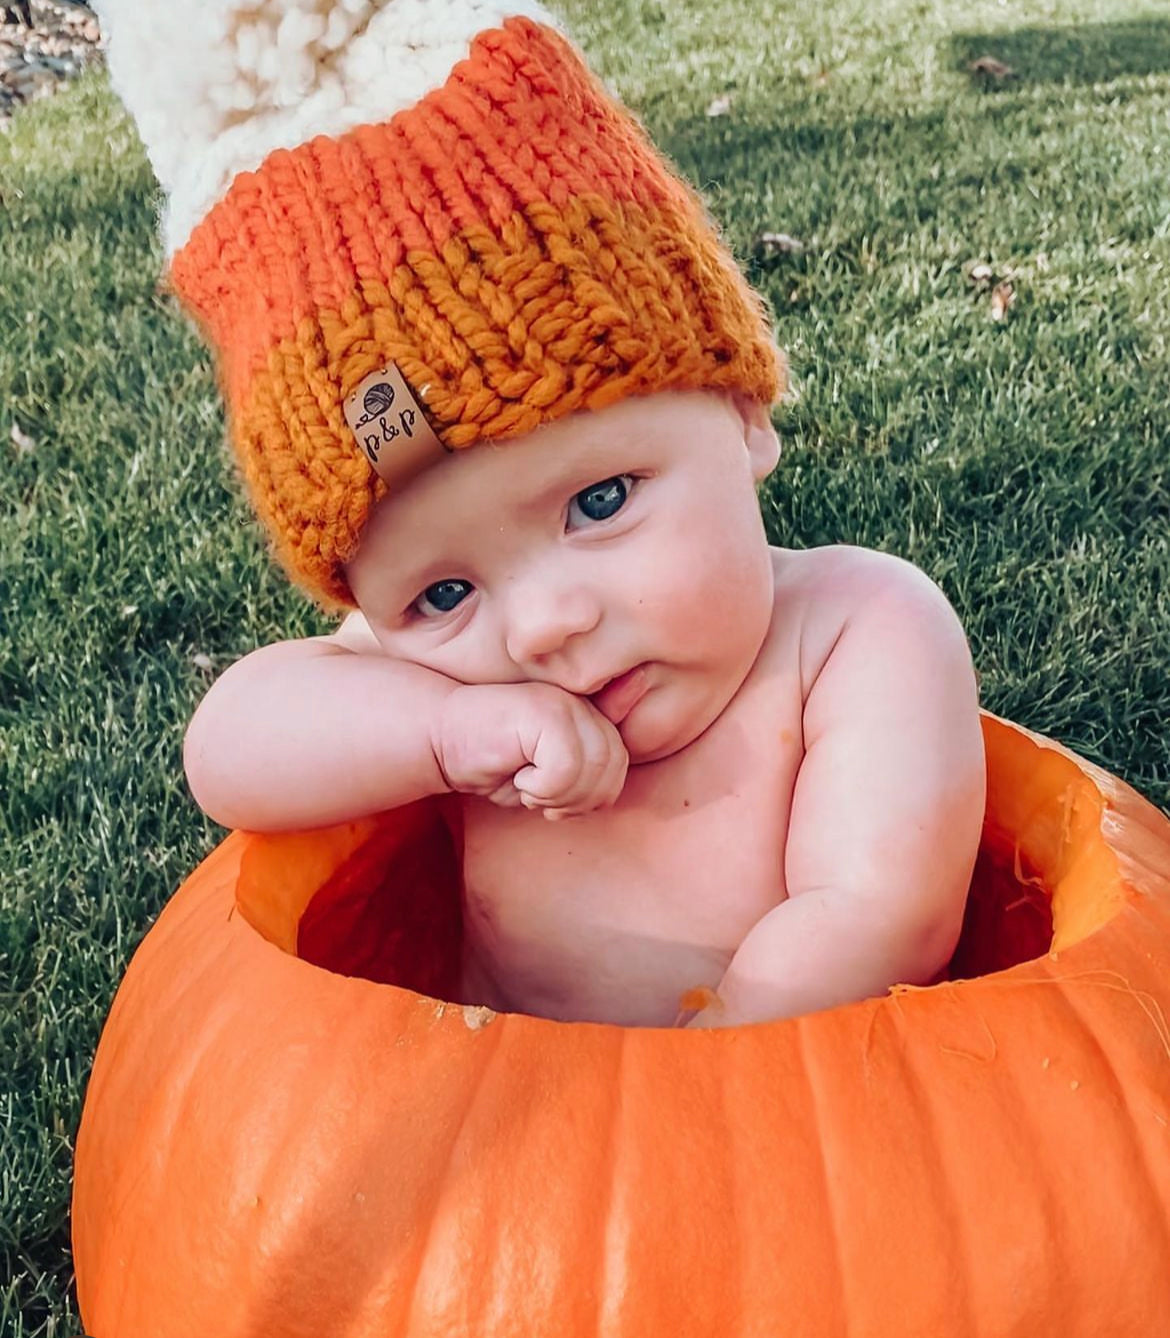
(407, 226)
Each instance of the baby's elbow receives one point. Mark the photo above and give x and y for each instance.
(924, 913)
(218, 759)
(934, 918)
(931, 947)
(203, 777)
(217, 753)
(915, 946)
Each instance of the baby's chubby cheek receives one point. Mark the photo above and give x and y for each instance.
(702, 667)
(717, 589)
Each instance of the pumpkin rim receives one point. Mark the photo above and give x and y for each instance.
(278, 874)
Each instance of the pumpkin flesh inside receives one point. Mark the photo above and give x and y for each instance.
(391, 914)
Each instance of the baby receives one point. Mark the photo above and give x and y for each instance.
(497, 388)
(768, 761)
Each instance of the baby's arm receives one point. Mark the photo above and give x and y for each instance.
(886, 812)
(306, 733)
(311, 732)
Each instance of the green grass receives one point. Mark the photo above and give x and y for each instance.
(1023, 464)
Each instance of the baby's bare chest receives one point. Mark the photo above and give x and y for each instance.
(612, 915)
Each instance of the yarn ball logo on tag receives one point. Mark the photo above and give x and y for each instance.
(389, 426)
(378, 402)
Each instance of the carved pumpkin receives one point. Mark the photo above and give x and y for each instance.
(278, 1145)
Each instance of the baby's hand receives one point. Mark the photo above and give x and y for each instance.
(532, 744)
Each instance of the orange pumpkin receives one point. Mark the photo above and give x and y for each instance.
(283, 1139)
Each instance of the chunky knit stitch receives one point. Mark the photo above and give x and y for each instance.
(510, 241)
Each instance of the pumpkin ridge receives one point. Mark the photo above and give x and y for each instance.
(733, 1138)
(836, 1279)
(292, 1242)
(168, 1108)
(949, 1145)
(107, 1083)
(608, 1320)
(1107, 1067)
(416, 1319)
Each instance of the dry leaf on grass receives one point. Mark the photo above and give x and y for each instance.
(991, 68)
(770, 244)
(1003, 296)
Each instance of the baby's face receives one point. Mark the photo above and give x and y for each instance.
(624, 538)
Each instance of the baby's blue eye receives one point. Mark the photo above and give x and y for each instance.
(601, 500)
(442, 597)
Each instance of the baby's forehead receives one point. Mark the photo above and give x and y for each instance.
(494, 483)
(475, 494)
(586, 438)
(541, 465)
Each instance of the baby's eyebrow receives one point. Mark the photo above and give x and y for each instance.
(612, 461)
(404, 583)
(551, 495)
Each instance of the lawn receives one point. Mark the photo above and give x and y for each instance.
(1021, 461)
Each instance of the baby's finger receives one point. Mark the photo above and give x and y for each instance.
(554, 769)
(588, 789)
(576, 768)
(505, 795)
(530, 783)
(604, 777)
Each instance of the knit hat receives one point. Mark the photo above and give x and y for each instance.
(408, 226)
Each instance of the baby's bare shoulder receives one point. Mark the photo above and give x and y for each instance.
(863, 596)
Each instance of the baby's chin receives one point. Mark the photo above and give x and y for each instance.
(652, 731)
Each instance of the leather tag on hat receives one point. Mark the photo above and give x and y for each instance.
(390, 428)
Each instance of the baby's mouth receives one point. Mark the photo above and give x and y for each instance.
(620, 695)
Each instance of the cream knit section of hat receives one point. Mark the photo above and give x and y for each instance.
(215, 87)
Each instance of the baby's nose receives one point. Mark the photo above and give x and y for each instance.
(542, 616)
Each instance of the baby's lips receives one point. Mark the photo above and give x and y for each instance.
(620, 695)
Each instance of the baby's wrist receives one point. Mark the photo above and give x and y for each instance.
(445, 746)
(465, 740)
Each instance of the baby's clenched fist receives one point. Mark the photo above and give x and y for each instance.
(529, 743)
